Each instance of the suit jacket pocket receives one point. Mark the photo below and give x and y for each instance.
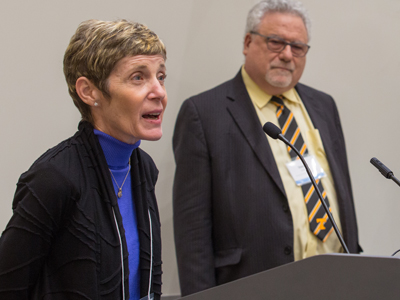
(227, 257)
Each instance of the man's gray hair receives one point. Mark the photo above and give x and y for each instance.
(282, 6)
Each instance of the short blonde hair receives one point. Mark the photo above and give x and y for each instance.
(97, 46)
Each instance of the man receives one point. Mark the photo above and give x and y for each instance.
(237, 208)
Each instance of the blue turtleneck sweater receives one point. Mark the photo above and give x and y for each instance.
(117, 154)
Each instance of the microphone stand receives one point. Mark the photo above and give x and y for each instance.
(395, 180)
(283, 139)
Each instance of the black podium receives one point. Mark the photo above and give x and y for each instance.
(329, 276)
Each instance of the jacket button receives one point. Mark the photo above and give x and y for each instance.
(285, 207)
(288, 250)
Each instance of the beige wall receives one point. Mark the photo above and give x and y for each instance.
(354, 56)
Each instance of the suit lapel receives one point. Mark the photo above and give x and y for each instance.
(242, 111)
(316, 112)
(330, 141)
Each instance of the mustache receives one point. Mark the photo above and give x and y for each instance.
(287, 66)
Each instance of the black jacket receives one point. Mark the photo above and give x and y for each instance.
(62, 241)
(231, 214)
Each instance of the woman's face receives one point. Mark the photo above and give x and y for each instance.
(138, 100)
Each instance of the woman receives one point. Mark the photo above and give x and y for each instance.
(85, 213)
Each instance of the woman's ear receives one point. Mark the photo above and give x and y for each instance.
(87, 91)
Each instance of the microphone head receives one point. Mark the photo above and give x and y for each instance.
(385, 171)
(272, 130)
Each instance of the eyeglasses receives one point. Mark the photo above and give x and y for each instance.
(277, 44)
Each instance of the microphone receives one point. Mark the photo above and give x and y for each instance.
(385, 171)
(275, 132)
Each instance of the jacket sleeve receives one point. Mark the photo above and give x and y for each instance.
(192, 193)
(38, 211)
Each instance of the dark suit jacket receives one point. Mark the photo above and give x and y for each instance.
(231, 214)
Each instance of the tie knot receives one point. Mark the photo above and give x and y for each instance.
(278, 100)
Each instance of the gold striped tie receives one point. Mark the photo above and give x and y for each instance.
(320, 225)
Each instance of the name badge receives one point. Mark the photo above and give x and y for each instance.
(299, 173)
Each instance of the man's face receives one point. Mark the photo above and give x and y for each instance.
(275, 73)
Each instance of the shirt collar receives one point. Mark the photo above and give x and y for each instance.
(261, 98)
